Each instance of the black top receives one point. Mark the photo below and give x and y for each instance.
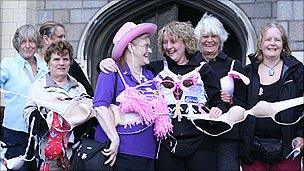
(87, 127)
(291, 87)
(76, 72)
(221, 65)
(266, 127)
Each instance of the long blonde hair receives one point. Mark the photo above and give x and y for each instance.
(267, 26)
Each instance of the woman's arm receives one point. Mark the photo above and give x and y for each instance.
(107, 123)
(104, 95)
(212, 87)
(107, 64)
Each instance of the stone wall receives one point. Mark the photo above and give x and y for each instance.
(289, 13)
(75, 15)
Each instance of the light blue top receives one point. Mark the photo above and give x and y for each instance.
(16, 75)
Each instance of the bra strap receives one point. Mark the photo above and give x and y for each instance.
(165, 64)
(122, 78)
(201, 65)
(232, 65)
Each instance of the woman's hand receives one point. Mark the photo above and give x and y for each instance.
(298, 142)
(226, 97)
(215, 112)
(112, 151)
(106, 121)
(107, 65)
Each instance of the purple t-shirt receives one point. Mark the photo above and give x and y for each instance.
(142, 143)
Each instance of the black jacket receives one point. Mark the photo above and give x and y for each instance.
(76, 72)
(292, 87)
(221, 66)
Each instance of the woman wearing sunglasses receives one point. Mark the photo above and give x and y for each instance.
(189, 87)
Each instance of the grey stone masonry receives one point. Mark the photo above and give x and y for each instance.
(62, 16)
(289, 13)
(257, 9)
(75, 14)
(290, 10)
(296, 30)
(82, 15)
(63, 4)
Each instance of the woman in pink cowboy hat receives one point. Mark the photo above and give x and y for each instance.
(134, 138)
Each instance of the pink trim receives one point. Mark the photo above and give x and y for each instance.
(127, 33)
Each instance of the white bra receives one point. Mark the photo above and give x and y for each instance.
(182, 89)
(227, 82)
(238, 114)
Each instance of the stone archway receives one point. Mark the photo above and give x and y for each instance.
(96, 41)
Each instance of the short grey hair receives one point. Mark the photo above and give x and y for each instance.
(210, 25)
(23, 32)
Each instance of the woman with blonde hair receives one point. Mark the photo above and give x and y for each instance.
(188, 86)
(275, 75)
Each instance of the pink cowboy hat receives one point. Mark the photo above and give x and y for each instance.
(128, 32)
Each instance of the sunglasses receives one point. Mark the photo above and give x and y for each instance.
(171, 85)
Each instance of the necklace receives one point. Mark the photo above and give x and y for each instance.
(271, 70)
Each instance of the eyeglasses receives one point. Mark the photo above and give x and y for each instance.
(146, 46)
(171, 85)
(29, 42)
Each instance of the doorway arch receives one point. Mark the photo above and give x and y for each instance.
(96, 40)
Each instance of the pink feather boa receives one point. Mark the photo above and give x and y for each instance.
(151, 109)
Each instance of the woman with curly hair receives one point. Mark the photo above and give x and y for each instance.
(188, 86)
